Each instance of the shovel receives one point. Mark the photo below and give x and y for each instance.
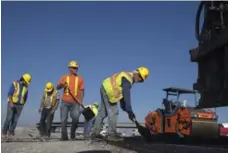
(87, 112)
(143, 131)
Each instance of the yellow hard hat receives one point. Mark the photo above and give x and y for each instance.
(27, 78)
(49, 86)
(73, 64)
(144, 72)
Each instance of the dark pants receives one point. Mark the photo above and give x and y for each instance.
(12, 117)
(74, 109)
(109, 110)
(45, 128)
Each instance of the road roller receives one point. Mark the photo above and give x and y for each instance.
(179, 119)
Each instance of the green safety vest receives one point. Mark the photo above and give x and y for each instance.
(112, 85)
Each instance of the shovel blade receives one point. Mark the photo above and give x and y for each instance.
(144, 132)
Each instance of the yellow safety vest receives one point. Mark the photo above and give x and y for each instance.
(112, 85)
(16, 93)
(93, 108)
(54, 94)
(75, 92)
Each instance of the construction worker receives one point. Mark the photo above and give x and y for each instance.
(88, 124)
(117, 88)
(17, 97)
(71, 83)
(48, 106)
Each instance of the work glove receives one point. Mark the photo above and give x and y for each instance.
(52, 111)
(131, 116)
(65, 85)
(40, 109)
(11, 105)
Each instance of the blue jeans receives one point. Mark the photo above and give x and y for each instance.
(88, 126)
(12, 117)
(106, 109)
(45, 126)
(74, 109)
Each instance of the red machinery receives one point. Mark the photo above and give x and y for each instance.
(180, 120)
(224, 129)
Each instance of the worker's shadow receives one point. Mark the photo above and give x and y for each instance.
(95, 151)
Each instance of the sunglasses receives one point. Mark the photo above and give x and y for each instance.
(75, 68)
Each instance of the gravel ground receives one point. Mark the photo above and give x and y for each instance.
(99, 147)
(131, 145)
(61, 147)
(56, 146)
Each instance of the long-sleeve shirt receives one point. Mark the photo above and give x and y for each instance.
(125, 103)
(12, 89)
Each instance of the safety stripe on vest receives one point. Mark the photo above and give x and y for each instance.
(113, 83)
(16, 85)
(75, 85)
(51, 96)
(17, 92)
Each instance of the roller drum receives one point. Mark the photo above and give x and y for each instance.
(204, 129)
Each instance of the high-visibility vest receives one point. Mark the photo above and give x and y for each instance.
(53, 96)
(75, 92)
(16, 94)
(93, 108)
(112, 85)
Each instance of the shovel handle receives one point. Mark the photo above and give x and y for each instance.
(136, 122)
(75, 99)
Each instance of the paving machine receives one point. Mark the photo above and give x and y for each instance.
(178, 119)
(211, 55)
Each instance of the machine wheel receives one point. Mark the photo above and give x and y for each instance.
(179, 134)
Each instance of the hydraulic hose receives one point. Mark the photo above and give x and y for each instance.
(197, 22)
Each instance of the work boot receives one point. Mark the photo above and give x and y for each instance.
(64, 137)
(86, 137)
(114, 137)
(4, 135)
(47, 138)
(72, 136)
(10, 134)
(96, 136)
(42, 138)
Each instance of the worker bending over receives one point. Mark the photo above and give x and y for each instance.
(117, 88)
(75, 84)
(17, 97)
(48, 106)
(88, 124)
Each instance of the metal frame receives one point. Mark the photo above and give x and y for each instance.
(212, 43)
(121, 125)
(174, 91)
